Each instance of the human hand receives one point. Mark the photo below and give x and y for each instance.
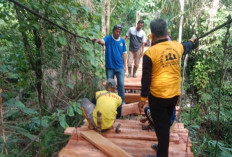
(95, 40)
(195, 42)
(141, 54)
(193, 39)
(125, 69)
(141, 105)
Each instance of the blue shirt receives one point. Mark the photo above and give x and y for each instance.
(114, 51)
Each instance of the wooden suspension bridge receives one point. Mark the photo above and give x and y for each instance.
(132, 140)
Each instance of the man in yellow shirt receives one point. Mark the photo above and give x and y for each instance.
(161, 79)
(107, 104)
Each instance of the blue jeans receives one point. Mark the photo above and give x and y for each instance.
(173, 118)
(120, 74)
(148, 115)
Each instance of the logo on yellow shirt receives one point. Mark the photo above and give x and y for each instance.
(169, 57)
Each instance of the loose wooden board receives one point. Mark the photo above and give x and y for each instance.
(106, 146)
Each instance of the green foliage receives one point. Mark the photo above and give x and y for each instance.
(16, 104)
(73, 68)
(65, 63)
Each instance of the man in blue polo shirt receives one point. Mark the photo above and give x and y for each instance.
(115, 59)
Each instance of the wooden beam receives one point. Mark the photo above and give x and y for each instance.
(106, 146)
(132, 97)
(127, 134)
(132, 109)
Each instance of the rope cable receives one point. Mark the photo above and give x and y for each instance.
(47, 20)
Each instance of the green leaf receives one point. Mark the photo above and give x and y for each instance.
(11, 113)
(12, 75)
(60, 111)
(59, 22)
(79, 111)
(77, 107)
(62, 40)
(18, 104)
(61, 81)
(63, 122)
(86, 9)
(45, 121)
(61, 7)
(70, 111)
(36, 26)
(73, 10)
(24, 132)
(205, 97)
(70, 86)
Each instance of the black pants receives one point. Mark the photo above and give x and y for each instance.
(161, 113)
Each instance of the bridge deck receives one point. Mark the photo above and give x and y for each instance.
(132, 138)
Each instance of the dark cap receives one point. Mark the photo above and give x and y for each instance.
(112, 82)
(117, 26)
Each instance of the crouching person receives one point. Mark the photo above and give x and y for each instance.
(107, 103)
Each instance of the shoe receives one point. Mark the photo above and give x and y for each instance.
(154, 146)
(143, 120)
(129, 72)
(134, 71)
(145, 127)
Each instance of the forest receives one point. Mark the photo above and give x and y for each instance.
(45, 71)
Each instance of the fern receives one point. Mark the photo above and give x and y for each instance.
(13, 103)
(23, 132)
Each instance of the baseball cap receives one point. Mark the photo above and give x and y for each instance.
(117, 26)
(112, 82)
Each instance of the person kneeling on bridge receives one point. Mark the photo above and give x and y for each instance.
(107, 103)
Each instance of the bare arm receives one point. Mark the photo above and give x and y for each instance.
(124, 61)
(99, 41)
(142, 49)
(125, 37)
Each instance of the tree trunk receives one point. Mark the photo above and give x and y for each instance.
(2, 122)
(103, 18)
(137, 17)
(181, 20)
(108, 17)
(213, 13)
(186, 58)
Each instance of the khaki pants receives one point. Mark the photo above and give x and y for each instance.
(133, 56)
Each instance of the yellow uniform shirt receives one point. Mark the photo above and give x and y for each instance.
(107, 105)
(166, 76)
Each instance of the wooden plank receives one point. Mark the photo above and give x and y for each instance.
(131, 108)
(134, 147)
(104, 144)
(80, 152)
(129, 134)
(132, 97)
(130, 87)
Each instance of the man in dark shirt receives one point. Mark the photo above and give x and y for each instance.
(161, 79)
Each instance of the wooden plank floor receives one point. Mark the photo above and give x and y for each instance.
(131, 138)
